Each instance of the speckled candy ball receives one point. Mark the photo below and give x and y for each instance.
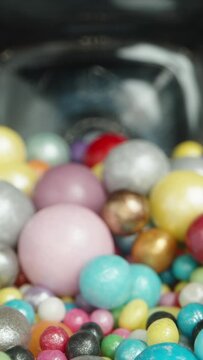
(58, 242)
(136, 165)
(69, 183)
(15, 210)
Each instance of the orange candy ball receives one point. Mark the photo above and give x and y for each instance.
(39, 166)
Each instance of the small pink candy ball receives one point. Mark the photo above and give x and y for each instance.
(104, 319)
(124, 333)
(57, 242)
(69, 183)
(169, 299)
(51, 355)
(75, 318)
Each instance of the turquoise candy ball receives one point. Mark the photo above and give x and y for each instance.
(166, 351)
(145, 284)
(188, 318)
(129, 349)
(198, 348)
(105, 281)
(48, 147)
(183, 266)
(24, 307)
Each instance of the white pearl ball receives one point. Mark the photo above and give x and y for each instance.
(139, 334)
(52, 309)
(191, 293)
(135, 165)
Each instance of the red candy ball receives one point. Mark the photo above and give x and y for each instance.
(194, 239)
(75, 318)
(54, 338)
(99, 148)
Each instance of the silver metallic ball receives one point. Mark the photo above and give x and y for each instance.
(15, 210)
(135, 165)
(9, 266)
(14, 328)
(188, 163)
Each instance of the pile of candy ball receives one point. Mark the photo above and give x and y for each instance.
(101, 249)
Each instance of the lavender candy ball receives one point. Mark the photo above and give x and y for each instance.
(135, 165)
(78, 149)
(14, 328)
(36, 294)
(9, 267)
(15, 210)
(72, 184)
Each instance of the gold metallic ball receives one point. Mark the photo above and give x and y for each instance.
(125, 212)
(154, 247)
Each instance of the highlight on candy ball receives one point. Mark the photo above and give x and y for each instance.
(101, 248)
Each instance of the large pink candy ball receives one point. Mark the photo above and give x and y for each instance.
(69, 183)
(57, 242)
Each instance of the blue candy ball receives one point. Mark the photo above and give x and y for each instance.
(166, 351)
(105, 281)
(146, 284)
(198, 348)
(124, 243)
(129, 349)
(24, 307)
(70, 306)
(167, 277)
(183, 266)
(188, 318)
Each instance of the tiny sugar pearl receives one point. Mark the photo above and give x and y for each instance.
(52, 309)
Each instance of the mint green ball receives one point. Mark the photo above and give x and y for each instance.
(197, 275)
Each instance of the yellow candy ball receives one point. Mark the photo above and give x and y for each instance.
(98, 170)
(19, 175)
(134, 315)
(67, 299)
(174, 310)
(12, 146)
(165, 289)
(176, 200)
(180, 286)
(161, 331)
(9, 293)
(188, 149)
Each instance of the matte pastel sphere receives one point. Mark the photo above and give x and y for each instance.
(136, 165)
(146, 284)
(105, 281)
(15, 210)
(48, 147)
(60, 240)
(70, 183)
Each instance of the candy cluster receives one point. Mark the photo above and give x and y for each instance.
(101, 249)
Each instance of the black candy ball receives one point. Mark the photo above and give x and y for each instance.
(82, 343)
(197, 329)
(160, 315)
(94, 328)
(19, 353)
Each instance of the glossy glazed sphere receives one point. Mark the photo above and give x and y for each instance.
(125, 243)
(75, 318)
(125, 212)
(99, 148)
(24, 307)
(12, 146)
(63, 233)
(14, 328)
(9, 293)
(94, 328)
(82, 343)
(102, 279)
(104, 319)
(51, 355)
(188, 163)
(69, 183)
(20, 175)
(154, 247)
(176, 201)
(166, 351)
(183, 267)
(16, 206)
(109, 345)
(161, 331)
(48, 147)
(134, 315)
(136, 165)
(188, 317)
(158, 315)
(36, 294)
(169, 299)
(54, 338)
(198, 345)
(188, 148)
(146, 284)
(129, 349)
(9, 267)
(194, 239)
(52, 309)
(19, 353)
(191, 293)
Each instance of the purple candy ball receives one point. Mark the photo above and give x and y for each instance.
(78, 149)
